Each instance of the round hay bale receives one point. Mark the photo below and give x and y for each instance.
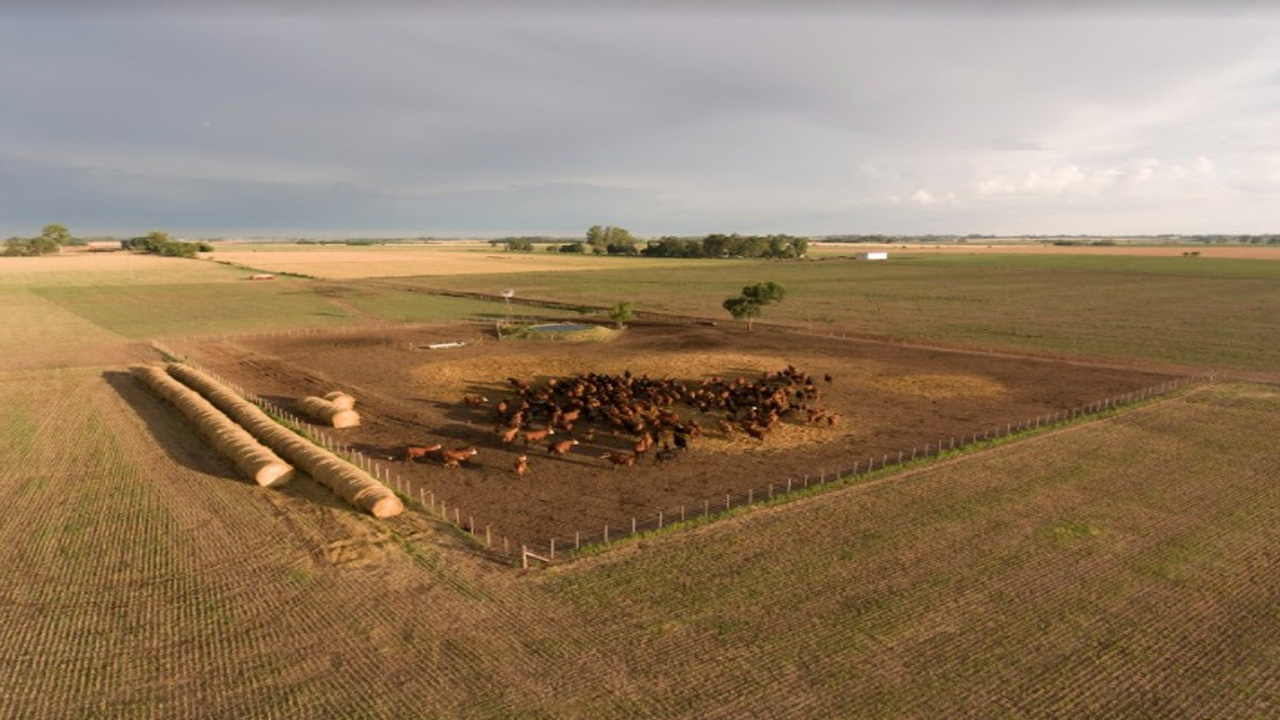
(328, 413)
(349, 482)
(257, 462)
(341, 400)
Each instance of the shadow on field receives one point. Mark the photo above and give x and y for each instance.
(172, 432)
(183, 443)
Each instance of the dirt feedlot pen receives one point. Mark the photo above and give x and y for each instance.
(893, 401)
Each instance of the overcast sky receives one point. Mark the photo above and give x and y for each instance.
(444, 121)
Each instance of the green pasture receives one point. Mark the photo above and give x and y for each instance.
(1194, 311)
(138, 297)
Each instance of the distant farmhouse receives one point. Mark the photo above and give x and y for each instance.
(873, 256)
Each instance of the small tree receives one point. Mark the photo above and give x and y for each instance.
(621, 314)
(750, 304)
(56, 234)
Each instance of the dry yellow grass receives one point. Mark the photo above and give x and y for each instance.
(421, 260)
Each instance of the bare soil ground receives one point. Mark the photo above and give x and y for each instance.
(891, 398)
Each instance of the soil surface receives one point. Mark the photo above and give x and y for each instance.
(891, 399)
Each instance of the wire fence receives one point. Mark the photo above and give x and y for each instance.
(492, 542)
(565, 547)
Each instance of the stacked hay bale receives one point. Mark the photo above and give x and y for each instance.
(228, 438)
(348, 481)
(341, 400)
(328, 412)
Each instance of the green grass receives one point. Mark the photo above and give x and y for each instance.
(1202, 311)
(143, 309)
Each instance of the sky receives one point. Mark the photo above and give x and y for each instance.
(293, 119)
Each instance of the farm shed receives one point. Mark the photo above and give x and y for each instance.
(872, 256)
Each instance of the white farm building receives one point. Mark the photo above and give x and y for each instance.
(873, 256)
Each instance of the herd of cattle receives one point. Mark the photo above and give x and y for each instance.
(639, 412)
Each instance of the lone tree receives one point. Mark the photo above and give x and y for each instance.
(621, 313)
(750, 304)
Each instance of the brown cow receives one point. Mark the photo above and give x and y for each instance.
(474, 399)
(561, 448)
(643, 444)
(533, 436)
(522, 465)
(452, 458)
(620, 459)
(417, 451)
(510, 434)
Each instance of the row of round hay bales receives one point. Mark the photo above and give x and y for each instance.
(329, 412)
(349, 482)
(258, 462)
(341, 400)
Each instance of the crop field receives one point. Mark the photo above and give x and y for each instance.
(1119, 566)
(1192, 311)
(431, 260)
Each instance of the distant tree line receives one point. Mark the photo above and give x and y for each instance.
(158, 242)
(50, 240)
(1241, 239)
(782, 247)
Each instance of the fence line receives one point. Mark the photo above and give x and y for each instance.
(375, 468)
(559, 549)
